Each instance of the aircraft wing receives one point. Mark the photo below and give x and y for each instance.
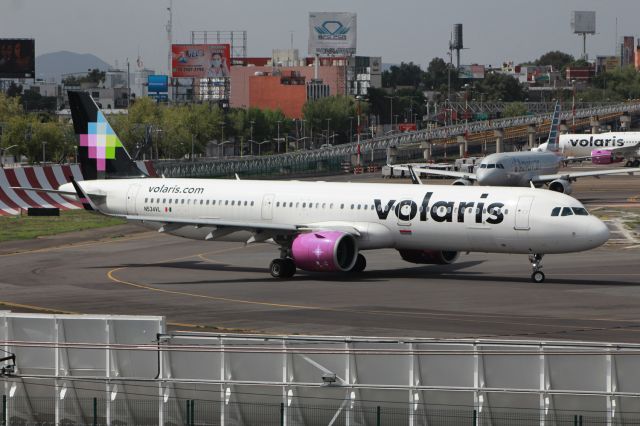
(626, 149)
(260, 231)
(594, 173)
(448, 173)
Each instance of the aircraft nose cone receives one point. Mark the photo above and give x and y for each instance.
(486, 177)
(598, 233)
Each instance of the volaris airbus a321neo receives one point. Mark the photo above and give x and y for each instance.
(325, 227)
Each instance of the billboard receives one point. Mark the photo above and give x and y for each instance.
(583, 22)
(158, 83)
(471, 72)
(17, 58)
(200, 60)
(332, 33)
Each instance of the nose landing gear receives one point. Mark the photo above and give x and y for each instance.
(537, 276)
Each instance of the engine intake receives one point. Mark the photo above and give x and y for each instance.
(433, 257)
(561, 185)
(325, 251)
(462, 181)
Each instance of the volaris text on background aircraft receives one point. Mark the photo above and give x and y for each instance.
(601, 148)
(325, 227)
(539, 166)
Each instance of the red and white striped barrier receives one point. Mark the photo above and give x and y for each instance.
(47, 177)
(147, 167)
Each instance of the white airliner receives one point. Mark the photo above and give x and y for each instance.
(602, 148)
(325, 227)
(540, 166)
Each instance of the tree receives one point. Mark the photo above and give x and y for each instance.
(9, 107)
(93, 76)
(515, 109)
(558, 60)
(618, 84)
(501, 87)
(337, 110)
(407, 74)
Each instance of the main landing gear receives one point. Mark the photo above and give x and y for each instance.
(282, 268)
(537, 276)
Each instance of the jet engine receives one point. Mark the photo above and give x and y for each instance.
(561, 185)
(325, 251)
(604, 156)
(462, 181)
(601, 156)
(433, 257)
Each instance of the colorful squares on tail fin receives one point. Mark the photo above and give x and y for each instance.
(101, 141)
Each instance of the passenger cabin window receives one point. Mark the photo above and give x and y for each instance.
(555, 211)
(579, 211)
(566, 211)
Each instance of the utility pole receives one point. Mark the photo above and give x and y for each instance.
(44, 144)
(169, 28)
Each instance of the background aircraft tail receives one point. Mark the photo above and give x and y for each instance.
(554, 130)
(100, 151)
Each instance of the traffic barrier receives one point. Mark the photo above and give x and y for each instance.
(13, 201)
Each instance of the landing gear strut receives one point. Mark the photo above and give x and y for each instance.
(537, 276)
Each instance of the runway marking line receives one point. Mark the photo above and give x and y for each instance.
(457, 316)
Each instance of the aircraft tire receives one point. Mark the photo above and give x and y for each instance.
(277, 268)
(289, 268)
(537, 277)
(635, 163)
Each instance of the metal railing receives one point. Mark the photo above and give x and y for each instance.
(319, 159)
(192, 412)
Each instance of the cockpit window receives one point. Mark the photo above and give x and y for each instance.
(483, 166)
(499, 166)
(555, 211)
(580, 211)
(491, 166)
(566, 211)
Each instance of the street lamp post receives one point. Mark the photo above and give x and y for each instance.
(328, 121)
(3, 152)
(278, 140)
(391, 110)
(251, 138)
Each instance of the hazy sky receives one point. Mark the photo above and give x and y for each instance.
(398, 30)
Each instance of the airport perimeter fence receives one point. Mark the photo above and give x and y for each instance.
(192, 412)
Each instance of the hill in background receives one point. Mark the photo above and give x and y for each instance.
(51, 66)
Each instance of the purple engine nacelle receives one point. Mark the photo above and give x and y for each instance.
(604, 156)
(426, 257)
(325, 251)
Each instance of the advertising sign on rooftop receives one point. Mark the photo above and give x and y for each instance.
(158, 83)
(471, 72)
(17, 58)
(332, 33)
(200, 60)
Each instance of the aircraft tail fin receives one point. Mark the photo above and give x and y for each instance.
(554, 130)
(100, 152)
